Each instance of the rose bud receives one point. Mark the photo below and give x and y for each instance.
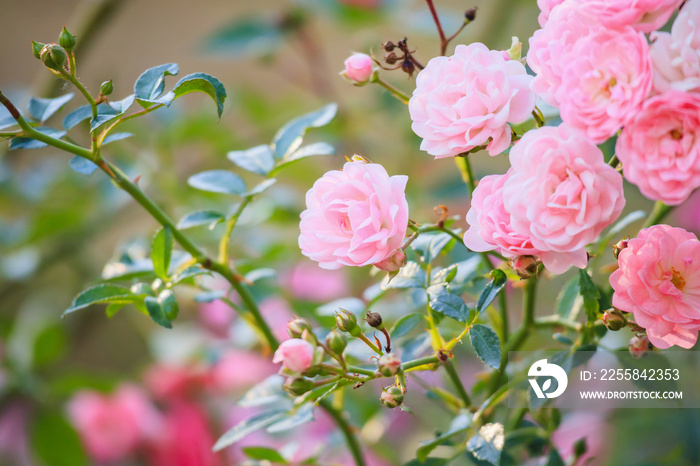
(295, 355)
(358, 67)
(388, 46)
(297, 386)
(66, 40)
(640, 346)
(524, 266)
(297, 326)
(37, 47)
(614, 320)
(347, 322)
(392, 397)
(470, 14)
(389, 365)
(336, 341)
(374, 320)
(53, 56)
(107, 87)
(392, 263)
(619, 246)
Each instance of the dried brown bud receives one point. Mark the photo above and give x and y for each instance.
(388, 46)
(391, 58)
(408, 67)
(374, 320)
(470, 14)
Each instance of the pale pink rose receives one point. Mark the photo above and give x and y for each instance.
(237, 369)
(546, 7)
(561, 194)
(185, 438)
(659, 282)
(676, 55)
(306, 281)
(355, 216)
(216, 317)
(660, 147)
(468, 100)
(277, 313)
(642, 15)
(296, 355)
(165, 381)
(606, 77)
(550, 46)
(579, 425)
(113, 426)
(358, 67)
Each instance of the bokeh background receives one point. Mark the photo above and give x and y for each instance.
(277, 59)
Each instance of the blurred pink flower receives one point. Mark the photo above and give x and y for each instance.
(642, 15)
(296, 355)
(369, 4)
(277, 313)
(606, 77)
(216, 317)
(468, 100)
(237, 369)
(113, 426)
(14, 442)
(168, 381)
(660, 147)
(358, 67)
(576, 426)
(687, 215)
(560, 194)
(659, 282)
(306, 281)
(185, 438)
(676, 55)
(356, 216)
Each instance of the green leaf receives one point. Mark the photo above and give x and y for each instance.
(76, 116)
(116, 137)
(289, 138)
(452, 306)
(246, 37)
(162, 251)
(201, 82)
(189, 272)
(590, 295)
(54, 441)
(267, 392)
(259, 159)
(486, 344)
(150, 85)
(209, 296)
(218, 181)
(100, 294)
(112, 309)
(121, 106)
(311, 150)
(431, 245)
(498, 281)
(569, 299)
(488, 443)
(264, 454)
(405, 324)
(554, 458)
(410, 276)
(82, 166)
(459, 425)
(105, 114)
(303, 414)
(201, 217)
(157, 313)
(249, 426)
(445, 275)
(29, 143)
(42, 109)
(168, 303)
(429, 462)
(258, 274)
(261, 187)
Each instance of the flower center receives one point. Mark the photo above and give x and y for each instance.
(677, 135)
(677, 279)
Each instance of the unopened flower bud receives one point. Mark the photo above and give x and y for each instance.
(297, 386)
(392, 397)
(524, 266)
(391, 58)
(53, 56)
(640, 346)
(614, 320)
(37, 47)
(619, 246)
(392, 263)
(336, 341)
(389, 365)
(388, 46)
(66, 40)
(358, 67)
(107, 87)
(297, 326)
(347, 322)
(580, 448)
(374, 320)
(408, 67)
(309, 336)
(516, 49)
(470, 14)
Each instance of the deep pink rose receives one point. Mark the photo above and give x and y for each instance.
(112, 426)
(296, 355)
(546, 7)
(642, 15)
(676, 55)
(660, 147)
(170, 381)
(468, 99)
(358, 67)
(605, 79)
(561, 194)
(354, 216)
(659, 282)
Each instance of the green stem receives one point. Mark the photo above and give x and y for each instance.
(660, 211)
(454, 377)
(556, 321)
(420, 362)
(614, 162)
(503, 307)
(394, 91)
(230, 225)
(465, 168)
(346, 429)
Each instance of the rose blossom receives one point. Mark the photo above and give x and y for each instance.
(546, 7)
(579, 425)
(355, 216)
(676, 55)
(306, 281)
(642, 15)
(560, 194)
(358, 67)
(238, 369)
(605, 80)
(660, 147)
(468, 99)
(659, 282)
(112, 426)
(296, 355)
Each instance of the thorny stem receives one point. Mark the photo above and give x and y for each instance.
(454, 377)
(394, 91)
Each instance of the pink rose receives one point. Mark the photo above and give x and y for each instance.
(546, 7)
(467, 100)
(277, 314)
(237, 369)
(358, 67)
(606, 77)
(642, 15)
(112, 426)
(660, 147)
(306, 281)
(581, 425)
(393, 263)
(216, 317)
(659, 282)
(296, 355)
(165, 381)
(357, 216)
(561, 194)
(676, 55)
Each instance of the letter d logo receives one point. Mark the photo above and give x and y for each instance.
(542, 368)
